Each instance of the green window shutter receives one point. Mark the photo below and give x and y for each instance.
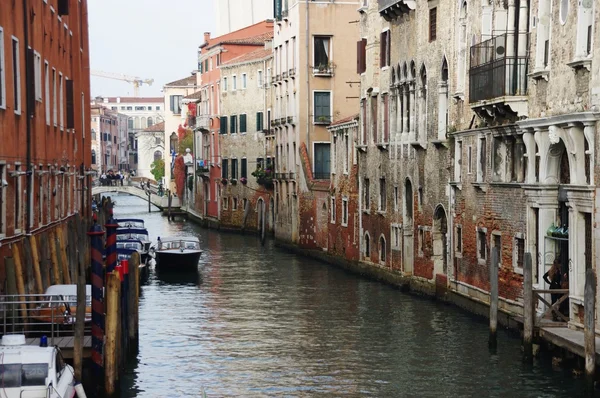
(242, 123)
(244, 168)
(223, 129)
(259, 121)
(233, 126)
(322, 107)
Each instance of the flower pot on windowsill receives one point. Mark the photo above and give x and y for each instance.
(233, 181)
(224, 181)
(244, 180)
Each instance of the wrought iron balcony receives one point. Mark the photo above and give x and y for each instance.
(284, 75)
(495, 77)
(292, 73)
(392, 9)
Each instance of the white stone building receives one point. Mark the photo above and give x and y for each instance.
(233, 15)
(151, 147)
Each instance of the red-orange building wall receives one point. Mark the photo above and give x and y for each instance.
(54, 152)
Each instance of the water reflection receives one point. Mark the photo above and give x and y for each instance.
(256, 321)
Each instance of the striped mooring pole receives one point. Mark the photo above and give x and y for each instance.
(95, 233)
(111, 242)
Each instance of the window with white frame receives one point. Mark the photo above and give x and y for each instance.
(396, 236)
(16, 75)
(17, 199)
(585, 26)
(259, 78)
(54, 99)
(234, 204)
(458, 162)
(458, 241)
(2, 74)
(268, 77)
(225, 84)
(544, 25)
(322, 107)
(332, 210)
(244, 81)
(233, 83)
(481, 244)
(469, 159)
(3, 189)
(37, 71)
(334, 155)
(225, 202)
(61, 99)
(367, 246)
(322, 54)
(344, 212)
(47, 91)
(347, 153)
(519, 252)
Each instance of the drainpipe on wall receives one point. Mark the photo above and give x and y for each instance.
(28, 115)
(308, 103)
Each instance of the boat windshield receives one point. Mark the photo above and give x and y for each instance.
(52, 301)
(129, 245)
(181, 244)
(23, 375)
(132, 236)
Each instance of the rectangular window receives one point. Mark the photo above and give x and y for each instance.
(225, 169)
(233, 83)
(481, 169)
(469, 159)
(3, 190)
(47, 91)
(396, 237)
(268, 77)
(421, 241)
(37, 71)
(363, 118)
(259, 78)
(332, 210)
(382, 195)
(16, 75)
(234, 203)
(588, 47)
(244, 81)
(2, 74)
(458, 238)
(374, 118)
(546, 52)
(175, 104)
(384, 49)
(322, 161)
(347, 157)
(61, 101)
(432, 24)
(223, 125)
(224, 84)
(322, 54)
(366, 195)
(17, 192)
(322, 107)
(225, 203)
(361, 56)
(259, 121)
(244, 170)
(243, 128)
(386, 119)
(233, 128)
(234, 169)
(481, 245)
(519, 254)
(345, 212)
(458, 162)
(71, 105)
(395, 198)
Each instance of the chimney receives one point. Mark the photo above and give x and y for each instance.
(206, 37)
(118, 100)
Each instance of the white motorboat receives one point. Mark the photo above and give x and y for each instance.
(33, 371)
(177, 254)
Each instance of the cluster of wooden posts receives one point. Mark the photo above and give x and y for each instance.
(115, 301)
(529, 312)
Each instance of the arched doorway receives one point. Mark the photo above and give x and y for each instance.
(440, 241)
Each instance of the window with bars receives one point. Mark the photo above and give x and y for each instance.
(432, 24)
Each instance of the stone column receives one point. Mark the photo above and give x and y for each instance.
(442, 110)
(543, 145)
(529, 141)
(412, 105)
(404, 113)
(589, 132)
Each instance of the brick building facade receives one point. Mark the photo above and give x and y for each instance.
(44, 119)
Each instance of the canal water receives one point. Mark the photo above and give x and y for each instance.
(257, 321)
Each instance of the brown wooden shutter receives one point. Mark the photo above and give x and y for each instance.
(386, 119)
(364, 56)
(388, 50)
(70, 105)
(382, 47)
(63, 7)
(359, 57)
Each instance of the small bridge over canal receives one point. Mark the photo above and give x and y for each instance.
(145, 193)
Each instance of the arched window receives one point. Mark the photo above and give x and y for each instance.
(93, 156)
(461, 72)
(382, 249)
(150, 122)
(174, 140)
(367, 245)
(443, 102)
(157, 155)
(422, 125)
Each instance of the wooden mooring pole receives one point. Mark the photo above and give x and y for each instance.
(527, 309)
(149, 203)
(493, 341)
(590, 326)
(169, 200)
(111, 358)
(134, 298)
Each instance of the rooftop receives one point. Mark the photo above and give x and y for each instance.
(186, 81)
(344, 120)
(132, 100)
(193, 96)
(156, 128)
(251, 56)
(257, 40)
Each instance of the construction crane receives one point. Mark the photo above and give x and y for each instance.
(136, 81)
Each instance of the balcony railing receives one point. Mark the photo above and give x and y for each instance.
(203, 122)
(284, 75)
(292, 72)
(493, 74)
(290, 120)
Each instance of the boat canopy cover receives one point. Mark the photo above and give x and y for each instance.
(130, 222)
(179, 244)
(132, 233)
(67, 293)
(134, 244)
(179, 239)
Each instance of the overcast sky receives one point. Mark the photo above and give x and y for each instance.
(151, 39)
